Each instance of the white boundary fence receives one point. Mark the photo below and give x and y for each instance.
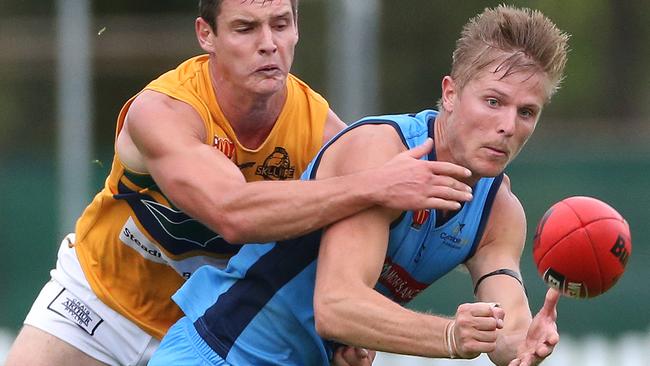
(632, 349)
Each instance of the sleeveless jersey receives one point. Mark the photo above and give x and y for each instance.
(259, 309)
(136, 248)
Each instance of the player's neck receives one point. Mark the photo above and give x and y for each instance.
(252, 116)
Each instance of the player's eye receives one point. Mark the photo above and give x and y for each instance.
(243, 27)
(492, 102)
(280, 26)
(526, 113)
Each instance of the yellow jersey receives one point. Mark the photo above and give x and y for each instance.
(136, 249)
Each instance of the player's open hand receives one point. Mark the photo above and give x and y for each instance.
(352, 356)
(419, 184)
(475, 329)
(542, 334)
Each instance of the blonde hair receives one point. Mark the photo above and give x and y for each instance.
(522, 39)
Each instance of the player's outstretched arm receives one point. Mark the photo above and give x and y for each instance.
(166, 138)
(501, 248)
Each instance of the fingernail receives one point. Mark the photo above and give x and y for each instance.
(364, 352)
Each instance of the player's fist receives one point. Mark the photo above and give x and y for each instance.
(352, 356)
(475, 329)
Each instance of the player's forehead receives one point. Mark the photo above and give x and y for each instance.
(254, 9)
(529, 86)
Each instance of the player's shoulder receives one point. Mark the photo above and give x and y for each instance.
(506, 205)
(150, 101)
(370, 136)
(359, 147)
(152, 110)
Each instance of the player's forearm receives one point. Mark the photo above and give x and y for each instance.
(268, 211)
(265, 211)
(378, 324)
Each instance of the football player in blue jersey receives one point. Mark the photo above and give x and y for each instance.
(292, 302)
(206, 155)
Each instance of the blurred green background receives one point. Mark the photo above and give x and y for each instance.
(592, 139)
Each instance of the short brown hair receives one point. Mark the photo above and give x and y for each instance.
(523, 38)
(209, 10)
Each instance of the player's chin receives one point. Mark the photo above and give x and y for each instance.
(269, 86)
(489, 168)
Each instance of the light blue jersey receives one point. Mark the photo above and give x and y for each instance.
(259, 310)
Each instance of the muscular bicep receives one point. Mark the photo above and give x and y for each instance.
(354, 248)
(166, 139)
(352, 252)
(169, 137)
(151, 122)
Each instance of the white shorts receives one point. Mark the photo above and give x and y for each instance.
(68, 309)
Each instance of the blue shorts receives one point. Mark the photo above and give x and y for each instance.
(183, 346)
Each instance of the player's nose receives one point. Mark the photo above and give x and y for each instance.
(507, 122)
(267, 41)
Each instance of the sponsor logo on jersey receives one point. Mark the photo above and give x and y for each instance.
(133, 237)
(276, 166)
(224, 145)
(454, 239)
(419, 218)
(70, 307)
(399, 282)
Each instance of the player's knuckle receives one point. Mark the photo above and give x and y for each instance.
(491, 337)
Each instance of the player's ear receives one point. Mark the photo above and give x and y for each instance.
(448, 93)
(204, 34)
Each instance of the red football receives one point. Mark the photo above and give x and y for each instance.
(581, 246)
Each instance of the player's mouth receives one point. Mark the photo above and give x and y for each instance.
(496, 151)
(269, 70)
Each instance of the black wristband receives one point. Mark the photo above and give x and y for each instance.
(502, 271)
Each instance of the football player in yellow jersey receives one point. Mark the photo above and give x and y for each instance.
(204, 159)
